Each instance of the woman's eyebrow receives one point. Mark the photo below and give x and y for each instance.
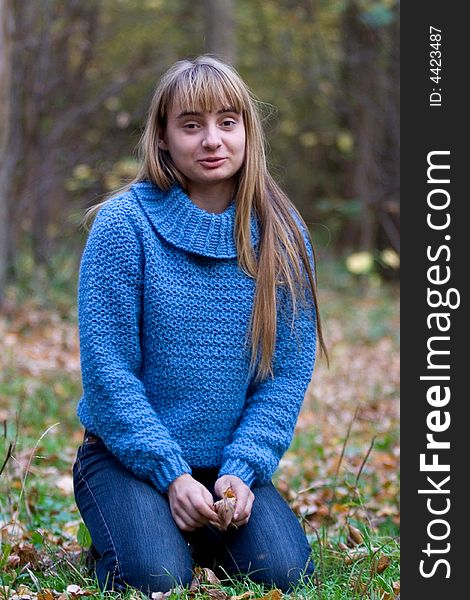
(228, 109)
(194, 113)
(188, 113)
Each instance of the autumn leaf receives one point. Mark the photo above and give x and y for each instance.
(209, 576)
(355, 536)
(75, 591)
(351, 557)
(273, 595)
(202, 577)
(216, 594)
(225, 508)
(382, 563)
(24, 553)
(248, 594)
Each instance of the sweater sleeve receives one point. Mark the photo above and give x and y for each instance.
(114, 404)
(272, 406)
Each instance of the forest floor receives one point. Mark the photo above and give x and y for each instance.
(340, 475)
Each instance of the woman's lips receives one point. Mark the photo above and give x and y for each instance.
(212, 163)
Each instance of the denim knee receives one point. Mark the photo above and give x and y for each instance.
(141, 573)
(282, 573)
(135, 539)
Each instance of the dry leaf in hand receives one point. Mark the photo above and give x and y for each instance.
(225, 508)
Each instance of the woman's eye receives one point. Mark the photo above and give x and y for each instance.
(191, 125)
(228, 123)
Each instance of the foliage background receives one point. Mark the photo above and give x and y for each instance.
(77, 78)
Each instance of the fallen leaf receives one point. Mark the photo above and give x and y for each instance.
(248, 594)
(204, 575)
(12, 532)
(210, 576)
(24, 553)
(13, 561)
(225, 508)
(351, 557)
(73, 589)
(216, 594)
(382, 564)
(273, 595)
(23, 593)
(355, 535)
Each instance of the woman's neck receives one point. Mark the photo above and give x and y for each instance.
(214, 198)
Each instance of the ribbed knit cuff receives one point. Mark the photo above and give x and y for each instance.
(240, 469)
(167, 471)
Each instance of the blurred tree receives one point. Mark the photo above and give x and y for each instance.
(370, 108)
(326, 70)
(60, 85)
(220, 29)
(48, 85)
(6, 42)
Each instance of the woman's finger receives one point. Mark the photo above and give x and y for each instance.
(242, 522)
(184, 522)
(203, 510)
(244, 504)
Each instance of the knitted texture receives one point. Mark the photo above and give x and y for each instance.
(164, 312)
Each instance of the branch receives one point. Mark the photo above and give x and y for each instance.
(79, 112)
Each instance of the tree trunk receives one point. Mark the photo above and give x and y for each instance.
(6, 25)
(220, 29)
(372, 119)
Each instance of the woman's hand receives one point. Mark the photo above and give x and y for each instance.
(244, 495)
(190, 503)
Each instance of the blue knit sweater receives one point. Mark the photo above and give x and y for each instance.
(164, 311)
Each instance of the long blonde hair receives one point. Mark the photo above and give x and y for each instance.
(201, 85)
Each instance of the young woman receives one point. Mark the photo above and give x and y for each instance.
(198, 325)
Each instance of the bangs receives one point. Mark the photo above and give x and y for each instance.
(206, 88)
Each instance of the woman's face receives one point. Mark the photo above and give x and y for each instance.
(207, 147)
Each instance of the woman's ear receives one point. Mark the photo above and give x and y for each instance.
(161, 142)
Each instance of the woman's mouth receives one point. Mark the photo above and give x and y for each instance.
(212, 163)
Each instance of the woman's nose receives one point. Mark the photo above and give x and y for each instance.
(211, 138)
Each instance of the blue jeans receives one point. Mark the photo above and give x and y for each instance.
(137, 543)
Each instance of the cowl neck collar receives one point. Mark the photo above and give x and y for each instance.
(184, 225)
